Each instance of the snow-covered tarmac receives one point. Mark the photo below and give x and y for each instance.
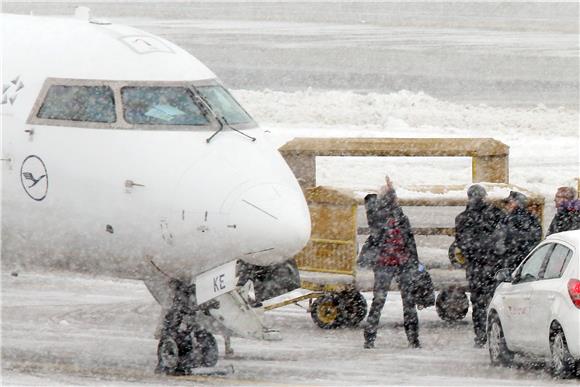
(77, 330)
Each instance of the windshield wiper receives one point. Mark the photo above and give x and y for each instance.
(222, 121)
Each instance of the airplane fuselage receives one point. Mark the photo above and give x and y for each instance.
(114, 194)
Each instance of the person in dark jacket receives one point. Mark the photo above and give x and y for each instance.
(567, 217)
(368, 253)
(519, 232)
(394, 254)
(474, 230)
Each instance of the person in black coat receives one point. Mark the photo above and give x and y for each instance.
(392, 253)
(368, 252)
(518, 233)
(567, 216)
(474, 230)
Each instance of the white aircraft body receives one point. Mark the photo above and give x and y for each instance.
(124, 155)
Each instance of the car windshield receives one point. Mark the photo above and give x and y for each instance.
(160, 105)
(224, 105)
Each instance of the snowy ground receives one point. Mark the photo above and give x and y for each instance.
(71, 330)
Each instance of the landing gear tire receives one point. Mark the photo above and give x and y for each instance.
(328, 311)
(452, 305)
(206, 346)
(355, 308)
(195, 350)
(167, 355)
(499, 354)
(184, 345)
(562, 364)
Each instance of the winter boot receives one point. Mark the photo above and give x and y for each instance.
(369, 339)
(412, 331)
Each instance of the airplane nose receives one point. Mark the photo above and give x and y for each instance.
(273, 223)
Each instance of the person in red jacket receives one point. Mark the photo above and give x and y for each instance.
(395, 255)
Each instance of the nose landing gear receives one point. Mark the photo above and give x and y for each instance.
(180, 357)
(184, 345)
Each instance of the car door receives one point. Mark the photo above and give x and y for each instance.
(545, 294)
(517, 298)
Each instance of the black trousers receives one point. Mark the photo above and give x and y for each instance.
(383, 277)
(481, 288)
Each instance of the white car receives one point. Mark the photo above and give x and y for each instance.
(535, 311)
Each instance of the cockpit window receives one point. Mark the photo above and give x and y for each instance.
(154, 105)
(223, 104)
(79, 103)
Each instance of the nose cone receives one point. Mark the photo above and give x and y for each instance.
(273, 223)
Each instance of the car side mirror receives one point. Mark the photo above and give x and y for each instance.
(503, 275)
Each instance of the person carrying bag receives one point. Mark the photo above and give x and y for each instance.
(392, 252)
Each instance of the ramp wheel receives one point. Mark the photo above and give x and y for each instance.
(328, 311)
(355, 307)
(452, 305)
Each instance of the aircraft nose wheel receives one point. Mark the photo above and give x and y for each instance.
(206, 349)
(182, 356)
(184, 346)
(167, 356)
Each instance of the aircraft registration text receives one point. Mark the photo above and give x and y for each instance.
(215, 282)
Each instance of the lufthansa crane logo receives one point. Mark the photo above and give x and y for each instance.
(34, 177)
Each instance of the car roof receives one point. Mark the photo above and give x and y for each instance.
(572, 237)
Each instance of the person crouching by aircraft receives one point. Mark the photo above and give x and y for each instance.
(567, 216)
(395, 255)
(474, 230)
(518, 233)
